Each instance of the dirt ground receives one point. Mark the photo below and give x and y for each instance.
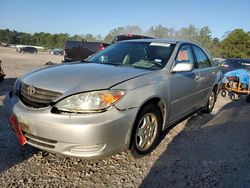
(206, 150)
(15, 64)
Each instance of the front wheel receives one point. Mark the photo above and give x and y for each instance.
(210, 103)
(147, 130)
(224, 93)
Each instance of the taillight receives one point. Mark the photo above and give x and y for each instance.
(100, 48)
(227, 66)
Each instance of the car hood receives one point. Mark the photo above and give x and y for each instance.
(80, 77)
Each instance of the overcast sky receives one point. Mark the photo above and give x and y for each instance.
(100, 16)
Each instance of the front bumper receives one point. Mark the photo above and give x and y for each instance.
(81, 135)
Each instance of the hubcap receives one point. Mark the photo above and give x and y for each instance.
(146, 132)
(211, 101)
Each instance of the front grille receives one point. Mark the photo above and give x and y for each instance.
(40, 98)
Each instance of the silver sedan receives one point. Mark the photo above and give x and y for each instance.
(120, 98)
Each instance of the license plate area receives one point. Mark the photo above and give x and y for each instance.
(17, 130)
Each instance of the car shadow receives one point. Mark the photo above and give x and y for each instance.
(6, 85)
(212, 150)
(11, 152)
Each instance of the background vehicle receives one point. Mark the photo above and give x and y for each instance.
(233, 64)
(129, 37)
(2, 75)
(218, 61)
(236, 83)
(27, 50)
(80, 50)
(56, 51)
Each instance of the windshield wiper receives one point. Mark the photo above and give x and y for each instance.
(114, 64)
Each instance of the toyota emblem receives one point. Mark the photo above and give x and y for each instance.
(31, 90)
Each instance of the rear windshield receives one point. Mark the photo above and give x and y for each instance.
(148, 55)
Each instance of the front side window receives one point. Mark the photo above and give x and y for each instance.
(201, 58)
(185, 55)
(148, 55)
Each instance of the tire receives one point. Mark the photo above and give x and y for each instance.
(224, 93)
(146, 132)
(210, 103)
(233, 97)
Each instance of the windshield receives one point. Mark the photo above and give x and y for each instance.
(148, 55)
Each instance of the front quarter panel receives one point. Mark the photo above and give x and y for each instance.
(141, 89)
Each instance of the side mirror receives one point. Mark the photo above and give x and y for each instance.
(183, 67)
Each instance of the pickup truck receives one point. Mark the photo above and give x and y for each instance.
(80, 50)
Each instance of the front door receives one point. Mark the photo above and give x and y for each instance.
(184, 86)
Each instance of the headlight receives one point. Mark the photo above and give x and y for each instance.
(95, 101)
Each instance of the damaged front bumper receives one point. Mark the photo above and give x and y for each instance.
(81, 135)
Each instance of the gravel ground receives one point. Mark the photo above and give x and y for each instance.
(202, 151)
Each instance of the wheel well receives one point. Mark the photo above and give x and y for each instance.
(216, 91)
(216, 87)
(157, 102)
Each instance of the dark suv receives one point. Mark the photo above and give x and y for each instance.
(233, 64)
(80, 50)
(129, 37)
(27, 49)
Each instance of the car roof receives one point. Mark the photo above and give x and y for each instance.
(28, 47)
(172, 41)
(134, 35)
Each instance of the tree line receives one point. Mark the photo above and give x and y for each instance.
(234, 44)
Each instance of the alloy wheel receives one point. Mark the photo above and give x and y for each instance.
(146, 132)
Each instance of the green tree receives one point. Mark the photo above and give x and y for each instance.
(236, 44)
(159, 31)
(204, 38)
(89, 37)
(188, 33)
(215, 48)
(121, 31)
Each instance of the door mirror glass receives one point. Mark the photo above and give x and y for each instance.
(183, 67)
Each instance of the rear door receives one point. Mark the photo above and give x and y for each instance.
(184, 86)
(208, 73)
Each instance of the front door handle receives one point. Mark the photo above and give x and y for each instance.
(197, 77)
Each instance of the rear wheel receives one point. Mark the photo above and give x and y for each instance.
(233, 96)
(210, 103)
(147, 130)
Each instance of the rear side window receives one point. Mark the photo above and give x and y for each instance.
(201, 57)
